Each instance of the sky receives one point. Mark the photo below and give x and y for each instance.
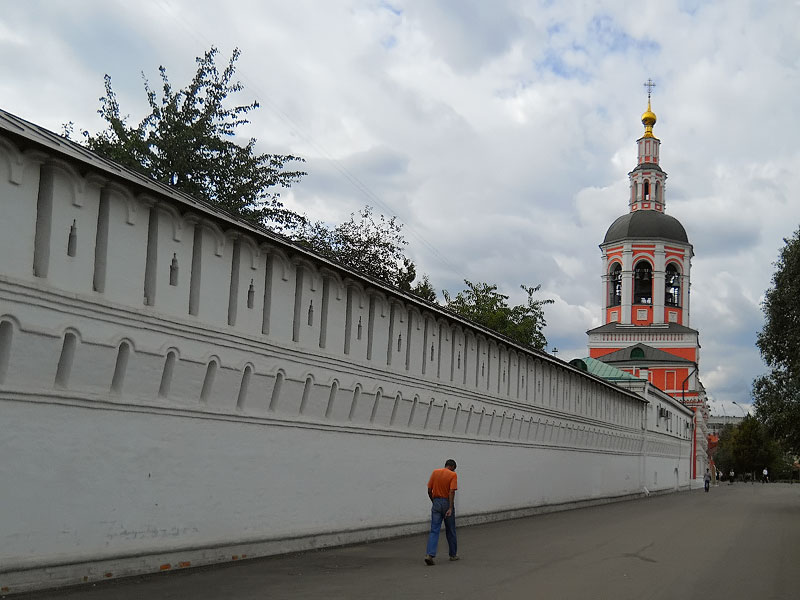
(499, 133)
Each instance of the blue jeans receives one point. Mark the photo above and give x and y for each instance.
(438, 509)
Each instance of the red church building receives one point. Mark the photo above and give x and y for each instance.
(646, 281)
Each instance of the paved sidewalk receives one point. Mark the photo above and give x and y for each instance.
(736, 542)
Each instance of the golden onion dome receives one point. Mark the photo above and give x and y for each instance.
(648, 120)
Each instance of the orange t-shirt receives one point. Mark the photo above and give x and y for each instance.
(442, 482)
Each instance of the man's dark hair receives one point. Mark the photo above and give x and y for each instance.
(450, 463)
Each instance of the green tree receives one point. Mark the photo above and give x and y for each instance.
(187, 142)
(723, 454)
(748, 448)
(777, 404)
(481, 303)
(424, 289)
(374, 246)
(777, 394)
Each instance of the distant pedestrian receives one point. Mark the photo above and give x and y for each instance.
(765, 476)
(730, 477)
(707, 480)
(442, 487)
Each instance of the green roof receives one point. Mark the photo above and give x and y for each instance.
(601, 369)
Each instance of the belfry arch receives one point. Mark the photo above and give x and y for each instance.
(643, 283)
(672, 285)
(615, 285)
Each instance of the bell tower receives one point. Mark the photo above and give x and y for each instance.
(645, 293)
(646, 253)
(646, 279)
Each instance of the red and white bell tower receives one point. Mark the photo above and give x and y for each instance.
(646, 280)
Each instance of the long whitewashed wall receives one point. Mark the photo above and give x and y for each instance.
(178, 389)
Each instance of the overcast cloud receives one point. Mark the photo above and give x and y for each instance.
(500, 133)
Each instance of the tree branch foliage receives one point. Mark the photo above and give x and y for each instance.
(748, 448)
(188, 142)
(777, 394)
(481, 303)
(374, 246)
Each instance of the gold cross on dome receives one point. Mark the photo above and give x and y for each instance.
(649, 85)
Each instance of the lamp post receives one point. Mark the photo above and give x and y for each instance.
(744, 412)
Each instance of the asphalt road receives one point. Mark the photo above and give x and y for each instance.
(735, 542)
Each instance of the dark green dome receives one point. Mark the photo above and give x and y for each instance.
(649, 224)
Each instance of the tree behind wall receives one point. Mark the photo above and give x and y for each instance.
(187, 142)
(481, 303)
(777, 394)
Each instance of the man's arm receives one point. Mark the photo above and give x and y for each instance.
(430, 494)
(452, 498)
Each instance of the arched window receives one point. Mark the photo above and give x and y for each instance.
(646, 194)
(672, 286)
(637, 353)
(615, 285)
(643, 283)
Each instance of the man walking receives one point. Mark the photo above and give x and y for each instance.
(442, 487)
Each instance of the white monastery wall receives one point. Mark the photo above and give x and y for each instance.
(178, 388)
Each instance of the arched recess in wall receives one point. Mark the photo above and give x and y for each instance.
(280, 376)
(121, 365)
(76, 183)
(244, 386)
(414, 317)
(6, 338)
(480, 421)
(66, 358)
(332, 398)
(354, 403)
(397, 400)
(306, 393)
(167, 374)
(468, 424)
(254, 251)
(428, 412)
(281, 263)
(455, 418)
(331, 282)
(502, 424)
(352, 290)
(208, 380)
(414, 404)
(275, 261)
(378, 395)
(176, 220)
(491, 422)
(14, 161)
(441, 417)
